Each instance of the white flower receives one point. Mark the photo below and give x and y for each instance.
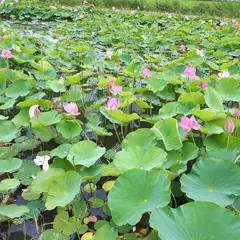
(42, 160)
(109, 54)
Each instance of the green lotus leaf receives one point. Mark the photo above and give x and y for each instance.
(22, 118)
(69, 128)
(143, 137)
(53, 235)
(46, 119)
(229, 89)
(139, 158)
(56, 86)
(167, 130)
(63, 190)
(13, 210)
(145, 191)
(156, 84)
(207, 114)
(44, 133)
(71, 96)
(236, 203)
(8, 131)
(62, 150)
(100, 131)
(220, 141)
(45, 178)
(123, 117)
(217, 154)
(35, 207)
(9, 184)
(17, 89)
(212, 181)
(26, 171)
(169, 110)
(35, 101)
(65, 224)
(188, 152)
(106, 230)
(107, 115)
(85, 153)
(8, 104)
(213, 99)
(195, 221)
(10, 165)
(193, 97)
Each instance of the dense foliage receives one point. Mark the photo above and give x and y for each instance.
(120, 124)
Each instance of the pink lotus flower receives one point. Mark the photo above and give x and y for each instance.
(56, 102)
(71, 108)
(110, 84)
(116, 89)
(81, 16)
(182, 48)
(113, 103)
(203, 85)
(91, 5)
(190, 72)
(229, 126)
(200, 52)
(40, 42)
(187, 124)
(224, 74)
(236, 113)
(235, 24)
(196, 77)
(6, 53)
(1, 38)
(34, 111)
(146, 73)
(223, 24)
(85, 2)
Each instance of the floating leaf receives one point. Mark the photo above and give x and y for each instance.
(212, 181)
(10, 165)
(9, 184)
(85, 153)
(143, 137)
(8, 131)
(13, 210)
(69, 128)
(139, 158)
(145, 191)
(207, 221)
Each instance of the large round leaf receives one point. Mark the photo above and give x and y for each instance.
(8, 131)
(9, 184)
(196, 221)
(213, 181)
(63, 190)
(143, 137)
(85, 153)
(140, 158)
(69, 128)
(136, 192)
(13, 210)
(10, 165)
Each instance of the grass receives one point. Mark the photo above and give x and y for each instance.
(208, 8)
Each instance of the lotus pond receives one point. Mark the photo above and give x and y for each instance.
(119, 125)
